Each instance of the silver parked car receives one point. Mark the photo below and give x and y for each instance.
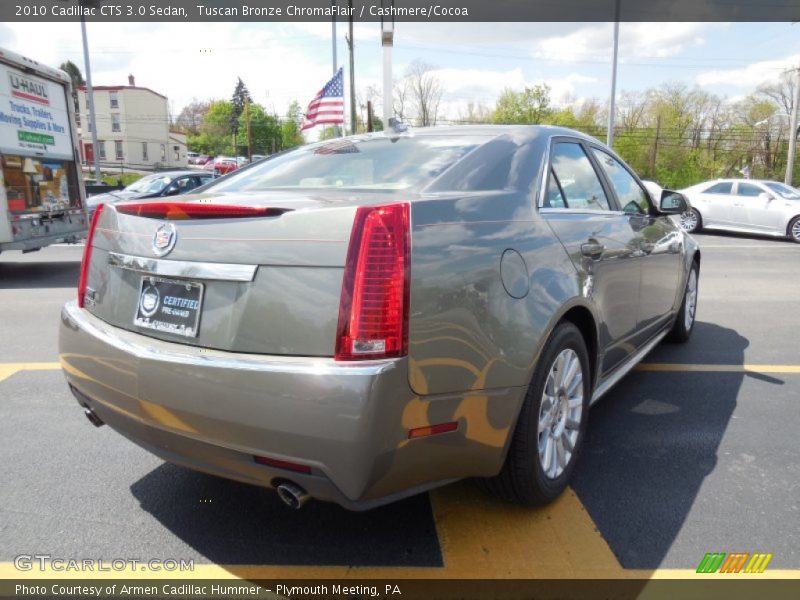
(744, 205)
(366, 318)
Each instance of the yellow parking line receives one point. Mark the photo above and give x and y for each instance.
(8, 369)
(480, 536)
(709, 368)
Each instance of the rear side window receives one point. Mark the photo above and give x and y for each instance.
(377, 162)
(573, 175)
(632, 197)
(723, 187)
(748, 189)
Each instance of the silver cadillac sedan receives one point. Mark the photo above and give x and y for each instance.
(366, 318)
(744, 205)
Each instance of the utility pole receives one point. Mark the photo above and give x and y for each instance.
(387, 39)
(350, 44)
(612, 105)
(249, 136)
(369, 116)
(655, 148)
(90, 101)
(793, 131)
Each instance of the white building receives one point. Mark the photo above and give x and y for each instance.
(133, 129)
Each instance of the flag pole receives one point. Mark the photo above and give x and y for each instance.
(333, 53)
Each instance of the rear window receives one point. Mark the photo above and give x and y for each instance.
(371, 163)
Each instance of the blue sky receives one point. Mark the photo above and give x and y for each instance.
(282, 62)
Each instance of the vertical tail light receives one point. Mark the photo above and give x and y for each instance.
(373, 312)
(87, 255)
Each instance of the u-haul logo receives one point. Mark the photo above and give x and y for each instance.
(734, 562)
(29, 89)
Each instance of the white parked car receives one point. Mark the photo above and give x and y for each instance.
(744, 205)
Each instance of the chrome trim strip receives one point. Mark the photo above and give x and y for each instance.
(147, 348)
(623, 370)
(180, 268)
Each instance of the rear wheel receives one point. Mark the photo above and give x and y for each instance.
(794, 230)
(551, 424)
(691, 220)
(684, 323)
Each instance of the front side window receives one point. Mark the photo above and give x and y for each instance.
(118, 150)
(724, 187)
(575, 177)
(163, 153)
(114, 99)
(748, 189)
(101, 150)
(632, 197)
(115, 125)
(144, 151)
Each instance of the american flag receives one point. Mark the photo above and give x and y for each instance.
(327, 107)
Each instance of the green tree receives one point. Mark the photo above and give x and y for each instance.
(241, 95)
(75, 76)
(531, 105)
(265, 131)
(214, 136)
(290, 128)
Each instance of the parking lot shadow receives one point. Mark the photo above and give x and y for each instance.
(39, 275)
(653, 441)
(232, 523)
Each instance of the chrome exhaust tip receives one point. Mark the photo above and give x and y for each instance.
(292, 495)
(93, 418)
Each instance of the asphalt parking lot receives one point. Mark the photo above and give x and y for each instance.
(697, 451)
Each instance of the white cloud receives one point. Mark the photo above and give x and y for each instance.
(751, 76)
(594, 43)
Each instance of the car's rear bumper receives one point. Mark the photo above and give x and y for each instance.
(214, 411)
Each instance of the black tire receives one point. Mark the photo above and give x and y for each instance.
(522, 478)
(681, 331)
(793, 231)
(698, 222)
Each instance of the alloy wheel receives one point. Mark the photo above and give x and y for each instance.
(560, 413)
(796, 230)
(688, 220)
(691, 300)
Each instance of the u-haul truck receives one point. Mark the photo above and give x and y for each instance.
(41, 196)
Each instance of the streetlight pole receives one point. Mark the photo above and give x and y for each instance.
(387, 40)
(793, 131)
(612, 104)
(90, 99)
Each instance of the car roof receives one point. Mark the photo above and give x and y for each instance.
(173, 174)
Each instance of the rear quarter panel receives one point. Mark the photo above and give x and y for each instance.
(467, 332)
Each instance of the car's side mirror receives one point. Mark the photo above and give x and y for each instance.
(172, 190)
(672, 203)
(766, 197)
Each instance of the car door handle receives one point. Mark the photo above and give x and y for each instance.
(592, 249)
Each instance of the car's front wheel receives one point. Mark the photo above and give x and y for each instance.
(794, 230)
(551, 425)
(684, 322)
(691, 221)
